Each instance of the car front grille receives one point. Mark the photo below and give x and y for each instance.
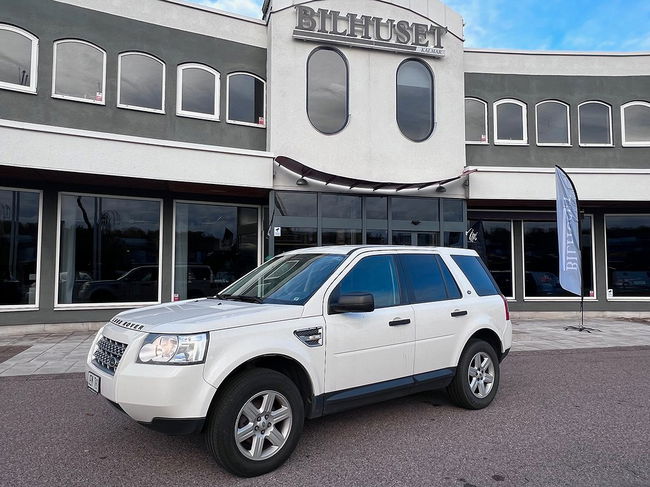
(108, 354)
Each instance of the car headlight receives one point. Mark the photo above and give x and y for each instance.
(173, 349)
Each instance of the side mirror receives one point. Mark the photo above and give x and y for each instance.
(353, 303)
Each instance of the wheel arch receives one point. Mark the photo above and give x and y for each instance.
(487, 335)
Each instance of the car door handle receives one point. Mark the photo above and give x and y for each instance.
(398, 322)
(456, 314)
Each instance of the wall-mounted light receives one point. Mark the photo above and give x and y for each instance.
(301, 182)
(441, 189)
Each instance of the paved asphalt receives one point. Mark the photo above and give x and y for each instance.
(561, 418)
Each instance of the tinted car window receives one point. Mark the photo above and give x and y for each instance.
(376, 275)
(477, 274)
(453, 292)
(426, 283)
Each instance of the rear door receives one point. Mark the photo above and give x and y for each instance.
(440, 314)
(366, 348)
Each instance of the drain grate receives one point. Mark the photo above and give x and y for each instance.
(6, 352)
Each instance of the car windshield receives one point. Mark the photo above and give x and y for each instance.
(286, 279)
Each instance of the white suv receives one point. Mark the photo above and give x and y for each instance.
(309, 333)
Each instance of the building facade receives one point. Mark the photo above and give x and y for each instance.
(155, 151)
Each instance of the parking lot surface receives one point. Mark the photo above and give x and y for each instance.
(561, 418)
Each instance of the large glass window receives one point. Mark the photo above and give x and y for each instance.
(197, 92)
(294, 238)
(18, 59)
(628, 259)
(636, 123)
(415, 209)
(109, 250)
(246, 99)
(295, 203)
(492, 240)
(19, 221)
(340, 206)
(552, 122)
(79, 71)
(327, 90)
(214, 246)
(595, 124)
(141, 84)
(510, 122)
(376, 275)
(415, 116)
(476, 126)
(541, 261)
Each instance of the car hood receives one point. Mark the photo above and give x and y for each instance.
(199, 315)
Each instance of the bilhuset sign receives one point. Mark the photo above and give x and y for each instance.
(330, 26)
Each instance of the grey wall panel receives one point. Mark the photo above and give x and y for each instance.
(51, 21)
(573, 90)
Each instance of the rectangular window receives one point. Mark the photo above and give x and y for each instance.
(340, 236)
(19, 235)
(628, 260)
(377, 237)
(295, 203)
(294, 238)
(492, 240)
(541, 260)
(109, 250)
(477, 274)
(214, 246)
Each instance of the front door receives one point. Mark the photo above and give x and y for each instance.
(366, 348)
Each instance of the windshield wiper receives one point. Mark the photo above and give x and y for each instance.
(235, 297)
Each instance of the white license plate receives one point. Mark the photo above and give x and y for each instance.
(93, 382)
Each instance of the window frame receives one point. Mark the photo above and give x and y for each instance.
(33, 71)
(487, 128)
(237, 122)
(119, 83)
(407, 283)
(6, 308)
(179, 92)
(524, 120)
(645, 143)
(567, 109)
(347, 88)
(433, 99)
(76, 98)
(611, 128)
(91, 306)
(560, 298)
(619, 298)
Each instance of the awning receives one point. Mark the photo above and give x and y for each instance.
(307, 172)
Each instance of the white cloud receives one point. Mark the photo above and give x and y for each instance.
(252, 8)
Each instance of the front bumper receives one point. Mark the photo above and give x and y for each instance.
(151, 393)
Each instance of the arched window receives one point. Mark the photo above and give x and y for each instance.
(18, 59)
(510, 122)
(246, 100)
(552, 123)
(141, 84)
(327, 90)
(197, 92)
(79, 71)
(415, 116)
(636, 124)
(476, 124)
(594, 124)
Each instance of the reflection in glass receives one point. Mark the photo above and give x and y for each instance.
(198, 91)
(294, 203)
(402, 238)
(552, 123)
(141, 81)
(18, 247)
(427, 239)
(453, 210)
(637, 123)
(215, 245)
(510, 122)
(628, 259)
(415, 100)
(377, 237)
(293, 238)
(542, 263)
(327, 90)
(595, 124)
(493, 242)
(375, 275)
(340, 206)
(109, 250)
(15, 58)
(79, 71)
(415, 209)
(454, 239)
(376, 207)
(339, 236)
(475, 121)
(246, 99)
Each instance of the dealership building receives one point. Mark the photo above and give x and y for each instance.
(154, 151)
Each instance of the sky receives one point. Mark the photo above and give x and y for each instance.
(564, 25)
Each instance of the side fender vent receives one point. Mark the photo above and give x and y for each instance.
(312, 337)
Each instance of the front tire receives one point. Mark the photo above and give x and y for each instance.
(256, 423)
(477, 376)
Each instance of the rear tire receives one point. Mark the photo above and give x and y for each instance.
(256, 423)
(477, 376)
